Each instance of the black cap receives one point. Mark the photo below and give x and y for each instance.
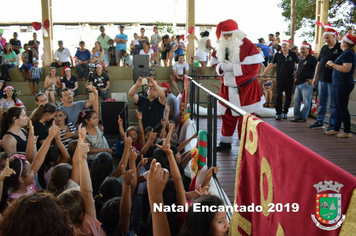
(81, 42)
(122, 26)
(102, 27)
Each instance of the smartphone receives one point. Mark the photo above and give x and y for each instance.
(144, 81)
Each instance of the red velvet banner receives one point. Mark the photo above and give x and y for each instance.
(288, 189)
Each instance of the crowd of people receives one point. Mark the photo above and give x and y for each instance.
(58, 163)
(59, 157)
(330, 72)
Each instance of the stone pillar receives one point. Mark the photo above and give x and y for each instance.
(190, 22)
(47, 41)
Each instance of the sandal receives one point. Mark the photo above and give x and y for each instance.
(332, 132)
(344, 135)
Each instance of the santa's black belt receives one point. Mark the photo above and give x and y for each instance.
(246, 83)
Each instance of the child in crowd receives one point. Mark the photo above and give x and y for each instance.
(150, 139)
(173, 43)
(27, 61)
(110, 188)
(35, 77)
(36, 214)
(112, 53)
(40, 119)
(80, 204)
(22, 182)
(94, 136)
(135, 45)
(56, 154)
(63, 177)
(156, 39)
(126, 59)
(260, 51)
(101, 168)
(199, 223)
(68, 131)
(267, 88)
(138, 140)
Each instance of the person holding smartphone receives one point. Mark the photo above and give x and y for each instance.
(152, 107)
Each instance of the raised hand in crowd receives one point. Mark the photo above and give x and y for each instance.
(209, 174)
(176, 176)
(125, 204)
(156, 182)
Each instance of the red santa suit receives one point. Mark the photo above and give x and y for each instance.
(239, 83)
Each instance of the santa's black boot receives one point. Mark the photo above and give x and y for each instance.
(223, 146)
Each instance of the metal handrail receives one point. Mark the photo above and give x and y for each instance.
(212, 100)
(227, 103)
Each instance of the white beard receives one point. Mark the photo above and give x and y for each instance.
(233, 44)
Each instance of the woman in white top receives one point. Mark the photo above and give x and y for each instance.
(147, 51)
(202, 53)
(135, 45)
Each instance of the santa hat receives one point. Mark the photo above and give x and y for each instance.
(307, 45)
(98, 65)
(351, 39)
(18, 104)
(65, 69)
(331, 31)
(286, 42)
(165, 86)
(226, 27)
(10, 87)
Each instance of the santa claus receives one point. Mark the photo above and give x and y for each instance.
(237, 60)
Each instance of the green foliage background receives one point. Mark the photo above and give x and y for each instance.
(342, 13)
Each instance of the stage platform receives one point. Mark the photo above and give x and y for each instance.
(341, 152)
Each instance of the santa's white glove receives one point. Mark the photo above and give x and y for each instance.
(226, 66)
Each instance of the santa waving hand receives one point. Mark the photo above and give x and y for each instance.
(237, 60)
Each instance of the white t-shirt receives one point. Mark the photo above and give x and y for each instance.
(179, 67)
(135, 42)
(150, 52)
(62, 56)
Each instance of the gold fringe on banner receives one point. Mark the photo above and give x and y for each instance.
(349, 225)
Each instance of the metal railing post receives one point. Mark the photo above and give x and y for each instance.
(209, 130)
(215, 128)
(198, 103)
(191, 100)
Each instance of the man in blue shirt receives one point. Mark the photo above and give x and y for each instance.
(82, 58)
(265, 50)
(121, 41)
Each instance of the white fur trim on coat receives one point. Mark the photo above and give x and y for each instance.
(254, 59)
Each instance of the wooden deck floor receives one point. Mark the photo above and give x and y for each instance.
(341, 152)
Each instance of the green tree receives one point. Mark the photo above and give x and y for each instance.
(164, 29)
(342, 13)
